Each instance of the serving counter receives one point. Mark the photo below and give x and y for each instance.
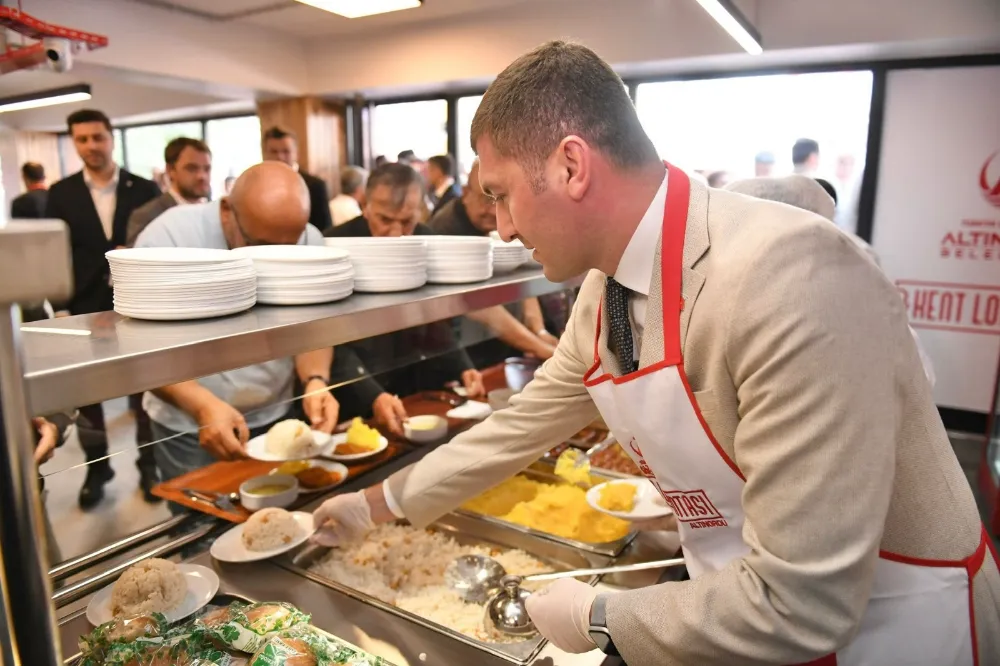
(64, 363)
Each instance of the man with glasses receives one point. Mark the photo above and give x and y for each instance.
(214, 417)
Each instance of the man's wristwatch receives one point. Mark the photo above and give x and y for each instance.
(318, 378)
(599, 631)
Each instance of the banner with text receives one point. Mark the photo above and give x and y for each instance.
(937, 221)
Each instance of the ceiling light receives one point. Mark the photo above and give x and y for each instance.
(732, 21)
(357, 8)
(42, 98)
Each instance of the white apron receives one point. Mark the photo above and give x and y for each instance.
(919, 613)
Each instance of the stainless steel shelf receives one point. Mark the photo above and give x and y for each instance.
(122, 356)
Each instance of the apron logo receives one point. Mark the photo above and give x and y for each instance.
(694, 508)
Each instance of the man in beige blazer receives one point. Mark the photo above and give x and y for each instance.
(857, 537)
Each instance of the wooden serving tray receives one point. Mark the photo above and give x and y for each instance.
(227, 477)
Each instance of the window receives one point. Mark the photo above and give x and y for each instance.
(720, 125)
(467, 107)
(418, 126)
(144, 145)
(235, 144)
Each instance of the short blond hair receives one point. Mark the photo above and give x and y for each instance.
(558, 89)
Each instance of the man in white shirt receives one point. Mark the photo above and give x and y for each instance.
(211, 418)
(96, 203)
(442, 187)
(189, 168)
(347, 205)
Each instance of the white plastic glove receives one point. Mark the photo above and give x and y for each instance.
(561, 613)
(342, 519)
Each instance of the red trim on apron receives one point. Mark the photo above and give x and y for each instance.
(704, 424)
(828, 660)
(675, 214)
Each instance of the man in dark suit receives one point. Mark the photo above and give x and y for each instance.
(281, 145)
(31, 204)
(96, 203)
(442, 187)
(189, 170)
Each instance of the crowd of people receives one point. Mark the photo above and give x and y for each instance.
(277, 202)
(274, 202)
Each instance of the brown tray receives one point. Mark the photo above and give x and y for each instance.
(227, 477)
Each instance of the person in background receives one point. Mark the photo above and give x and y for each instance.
(763, 164)
(393, 197)
(213, 418)
(474, 214)
(31, 204)
(805, 157)
(347, 205)
(828, 187)
(441, 181)
(718, 179)
(282, 146)
(381, 160)
(96, 203)
(189, 169)
(227, 185)
(410, 158)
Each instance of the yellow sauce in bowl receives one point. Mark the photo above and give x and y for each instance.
(268, 490)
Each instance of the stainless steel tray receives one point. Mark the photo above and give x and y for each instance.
(543, 471)
(466, 531)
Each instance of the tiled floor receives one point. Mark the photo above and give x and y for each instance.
(123, 510)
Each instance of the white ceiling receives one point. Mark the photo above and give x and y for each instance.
(296, 19)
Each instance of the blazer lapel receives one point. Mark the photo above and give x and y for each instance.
(123, 197)
(696, 244)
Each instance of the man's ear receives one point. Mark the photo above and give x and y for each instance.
(573, 159)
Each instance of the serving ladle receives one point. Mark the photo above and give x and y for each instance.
(478, 578)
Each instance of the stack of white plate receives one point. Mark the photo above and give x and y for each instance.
(458, 259)
(509, 256)
(386, 264)
(300, 274)
(172, 283)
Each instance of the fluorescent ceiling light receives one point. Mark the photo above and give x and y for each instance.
(42, 98)
(357, 8)
(733, 22)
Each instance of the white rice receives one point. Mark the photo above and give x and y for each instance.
(268, 529)
(153, 585)
(405, 567)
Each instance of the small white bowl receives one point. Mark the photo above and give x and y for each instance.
(282, 500)
(425, 428)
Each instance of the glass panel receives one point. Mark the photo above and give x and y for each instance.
(466, 111)
(425, 358)
(418, 126)
(119, 153)
(719, 126)
(145, 145)
(235, 144)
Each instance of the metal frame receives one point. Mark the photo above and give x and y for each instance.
(124, 356)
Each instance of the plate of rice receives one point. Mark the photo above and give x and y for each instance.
(290, 439)
(266, 534)
(155, 586)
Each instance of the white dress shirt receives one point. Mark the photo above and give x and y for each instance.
(636, 267)
(105, 200)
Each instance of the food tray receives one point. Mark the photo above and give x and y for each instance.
(543, 471)
(466, 531)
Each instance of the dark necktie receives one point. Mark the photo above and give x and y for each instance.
(620, 333)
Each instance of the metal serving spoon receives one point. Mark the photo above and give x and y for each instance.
(506, 612)
(478, 578)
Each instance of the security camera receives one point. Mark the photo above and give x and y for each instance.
(58, 54)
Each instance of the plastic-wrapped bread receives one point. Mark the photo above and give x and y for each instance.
(247, 627)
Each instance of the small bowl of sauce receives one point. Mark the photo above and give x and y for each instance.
(272, 490)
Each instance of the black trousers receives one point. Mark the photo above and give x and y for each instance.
(94, 433)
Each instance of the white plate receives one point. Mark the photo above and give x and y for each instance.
(257, 448)
(300, 299)
(173, 255)
(229, 547)
(328, 465)
(648, 503)
(202, 584)
(293, 253)
(179, 315)
(341, 437)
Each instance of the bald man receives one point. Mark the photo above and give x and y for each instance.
(212, 418)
